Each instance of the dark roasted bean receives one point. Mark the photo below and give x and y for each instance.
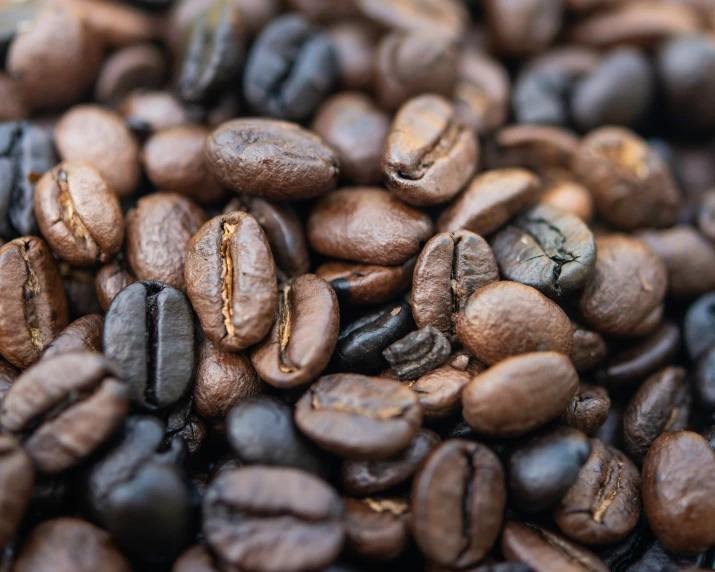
(699, 331)
(84, 334)
(704, 382)
(588, 409)
(418, 353)
(17, 479)
(589, 348)
(376, 528)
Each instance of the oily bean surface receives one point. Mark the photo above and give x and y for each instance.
(588, 409)
(376, 528)
(84, 334)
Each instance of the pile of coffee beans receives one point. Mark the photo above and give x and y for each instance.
(357, 285)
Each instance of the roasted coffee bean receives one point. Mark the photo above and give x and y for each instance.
(519, 394)
(369, 477)
(359, 417)
(64, 408)
(571, 197)
(545, 551)
(70, 544)
(440, 390)
(269, 518)
(174, 162)
(589, 348)
(490, 200)
(153, 111)
(231, 281)
(26, 152)
(149, 333)
(541, 148)
(101, 138)
(369, 225)
(141, 66)
(303, 335)
(635, 362)
(547, 249)
(361, 342)
(213, 53)
(376, 528)
(661, 404)
(481, 93)
(542, 469)
(275, 160)
(222, 380)
(111, 279)
(118, 24)
(588, 409)
(79, 214)
(447, 17)
(603, 505)
(706, 215)
(611, 432)
(284, 232)
(159, 230)
(429, 155)
(657, 557)
(678, 492)
(489, 325)
(79, 283)
(699, 331)
(354, 42)
(408, 64)
(290, 69)
(357, 129)
(84, 334)
(417, 353)
(361, 284)
(626, 288)
(631, 185)
(450, 268)
(458, 500)
(17, 479)
(12, 106)
(8, 374)
(195, 559)
(33, 307)
(55, 57)
(704, 382)
(688, 256)
(261, 431)
(524, 28)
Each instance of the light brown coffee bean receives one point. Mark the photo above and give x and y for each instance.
(112, 278)
(84, 334)
(140, 66)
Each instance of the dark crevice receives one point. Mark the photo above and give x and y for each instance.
(152, 345)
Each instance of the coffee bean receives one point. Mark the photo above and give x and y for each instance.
(657, 557)
(149, 333)
(55, 57)
(25, 153)
(17, 479)
(489, 325)
(290, 69)
(589, 348)
(141, 66)
(370, 477)
(376, 528)
(213, 52)
(184, 428)
(195, 559)
(429, 155)
(417, 353)
(540, 148)
(111, 279)
(699, 330)
(661, 404)
(678, 491)
(369, 225)
(70, 544)
(542, 469)
(231, 281)
(33, 307)
(119, 25)
(357, 129)
(361, 284)
(688, 257)
(303, 335)
(100, 137)
(446, 17)
(354, 42)
(588, 409)
(359, 417)
(174, 162)
(8, 374)
(79, 214)
(458, 500)
(450, 268)
(706, 215)
(84, 334)
(361, 342)
(266, 518)
(626, 287)
(571, 197)
(519, 394)
(490, 200)
(261, 431)
(408, 64)
(547, 249)
(512, 26)
(159, 230)
(275, 160)
(12, 106)
(64, 408)
(153, 111)
(704, 382)
(631, 185)
(603, 505)
(222, 380)
(504, 567)
(544, 550)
